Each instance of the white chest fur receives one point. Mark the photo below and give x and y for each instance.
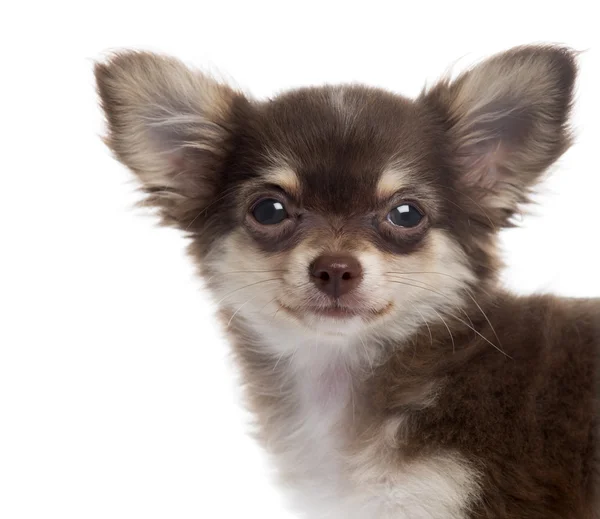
(324, 483)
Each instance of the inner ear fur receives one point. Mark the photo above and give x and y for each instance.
(171, 125)
(507, 122)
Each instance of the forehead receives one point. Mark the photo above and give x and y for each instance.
(342, 148)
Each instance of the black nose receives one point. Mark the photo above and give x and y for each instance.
(336, 275)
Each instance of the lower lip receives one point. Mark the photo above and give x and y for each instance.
(335, 313)
(338, 313)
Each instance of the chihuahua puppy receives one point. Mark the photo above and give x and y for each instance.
(349, 238)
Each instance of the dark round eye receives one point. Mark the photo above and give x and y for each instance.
(405, 215)
(269, 212)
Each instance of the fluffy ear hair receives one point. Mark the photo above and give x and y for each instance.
(507, 120)
(170, 125)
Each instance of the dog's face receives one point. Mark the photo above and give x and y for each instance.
(339, 216)
(341, 211)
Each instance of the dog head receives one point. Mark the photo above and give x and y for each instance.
(342, 210)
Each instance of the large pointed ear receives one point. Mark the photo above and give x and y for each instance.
(170, 125)
(507, 122)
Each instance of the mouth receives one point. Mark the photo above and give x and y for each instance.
(335, 312)
(338, 312)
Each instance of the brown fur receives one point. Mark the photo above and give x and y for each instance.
(526, 418)
(510, 383)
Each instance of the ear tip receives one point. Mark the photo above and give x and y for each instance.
(545, 49)
(112, 60)
(564, 63)
(101, 71)
(557, 57)
(123, 55)
(564, 57)
(110, 66)
(123, 63)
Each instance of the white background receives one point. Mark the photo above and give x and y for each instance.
(117, 398)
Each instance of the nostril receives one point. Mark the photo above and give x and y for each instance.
(335, 274)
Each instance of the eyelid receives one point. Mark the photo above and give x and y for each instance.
(257, 200)
(423, 199)
(400, 201)
(275, 187)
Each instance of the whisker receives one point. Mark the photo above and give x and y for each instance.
(434, 272)
(246, 286)
(459, 207)
(440, 293)
(243, 272)
(426, 324)
(293, 355)
(437, 273)
(225, 194)
(278, 361)
(417, 286)
(424, 272)
(250, 271)
(435, 292)
(447, 328)
(267, 304)
(302, 284)
(483, 337)
(366, 352)
(239, 308)
(478, 205)
(276, 312)
(352, 396)
(459, 319)
(488, 321)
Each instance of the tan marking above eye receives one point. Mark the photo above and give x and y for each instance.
(284, 177)
(391, 181)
